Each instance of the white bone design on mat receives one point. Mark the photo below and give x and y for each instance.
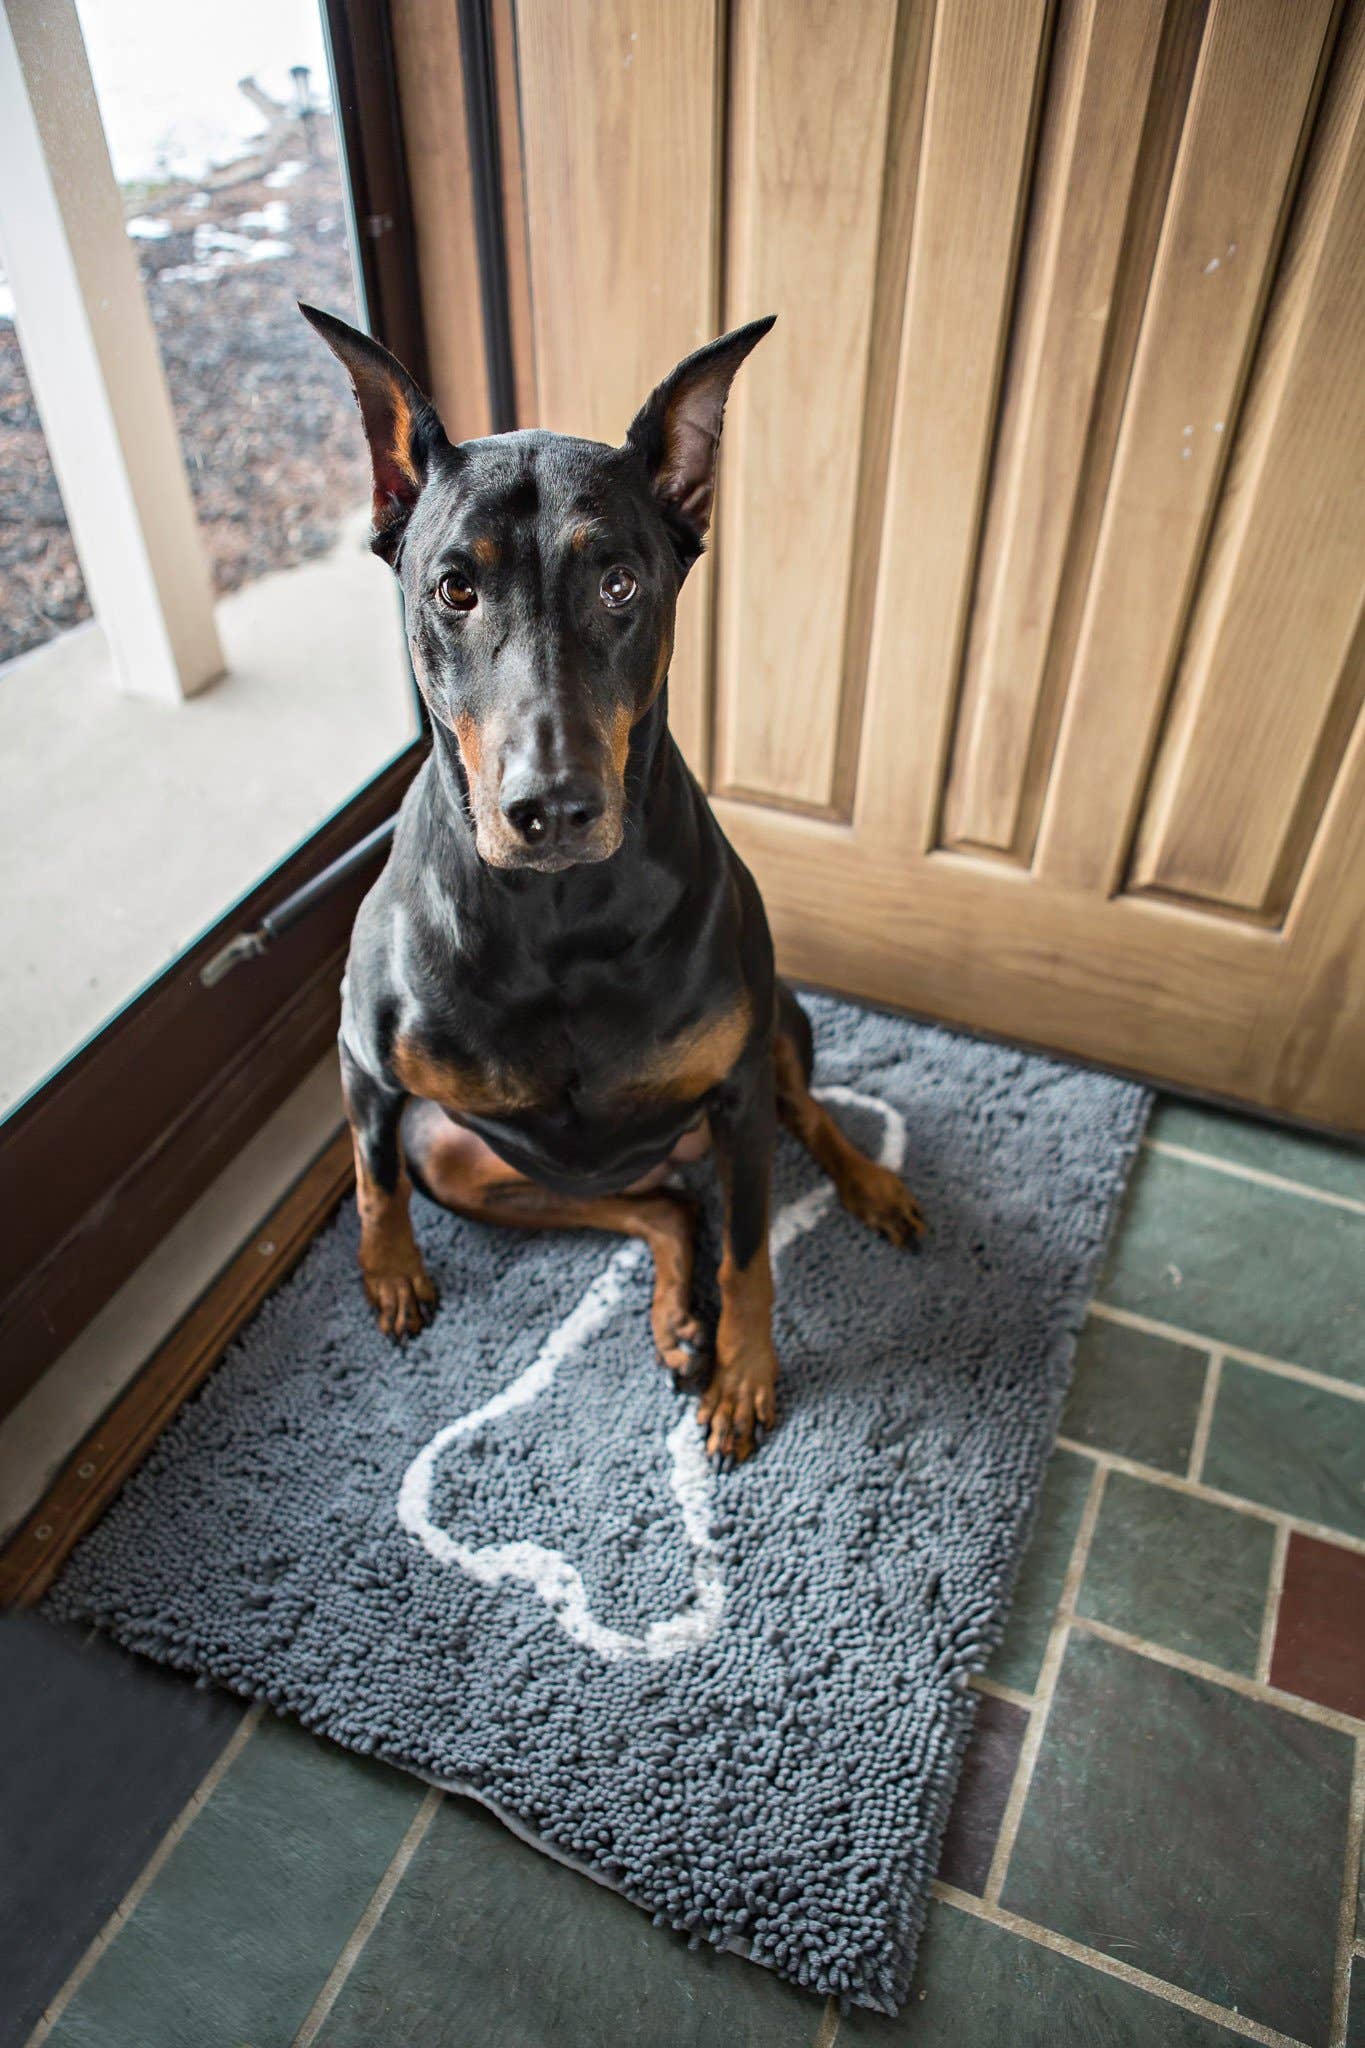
(548, 1572)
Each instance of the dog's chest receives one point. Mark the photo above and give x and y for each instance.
(592, 1071)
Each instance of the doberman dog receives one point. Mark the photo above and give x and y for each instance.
(562, 982)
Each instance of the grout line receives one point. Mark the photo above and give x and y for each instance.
(1346, 1941)
(1204, 1419)
(1114, 1462)
(150, 1871)
(978, 1682)
(1111, 1966)
(1235, 1170)
(1256, 1174)
(1193, 1340)
(1047, 1679)
(828, 2032)
(1273, 1595)
(1214, 1674)
(369, 1920)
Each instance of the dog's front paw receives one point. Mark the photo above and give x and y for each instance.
(741, 1398)
(881, 1200)
(680, 1342)
(403, 1298)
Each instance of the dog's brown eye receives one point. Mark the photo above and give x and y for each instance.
(618, 587)
(455, 593)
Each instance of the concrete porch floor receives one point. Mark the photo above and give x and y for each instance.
(126, 826)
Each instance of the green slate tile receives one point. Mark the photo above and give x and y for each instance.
(1190, 1831)
(1255, 1267)
(487, 1941)
(1324, 1163)
(100, 1752)
(978, 1986)
(1135, 1394)
(1290, 1446)
(1355, 2013)
(238, 1932)
(1039, 1585)
(1179, 1571)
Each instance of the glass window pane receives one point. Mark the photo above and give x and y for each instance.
(127, 826)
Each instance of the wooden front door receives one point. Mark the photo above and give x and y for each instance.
(1027, 669)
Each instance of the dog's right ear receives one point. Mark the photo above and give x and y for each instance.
(676, 432)
(401, 425)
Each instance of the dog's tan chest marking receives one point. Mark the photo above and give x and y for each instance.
(681, 1068)
(463, 1090)
(690, 1064)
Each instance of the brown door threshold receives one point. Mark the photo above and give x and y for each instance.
(99, 1466)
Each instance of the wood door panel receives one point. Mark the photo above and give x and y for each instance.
(1144, 986)
(1036, 696)
(623, 266)
(1255, 739)
(1306, 1051)
(1094, 119)
(962, 259)
(806, 145)
(1232, 187)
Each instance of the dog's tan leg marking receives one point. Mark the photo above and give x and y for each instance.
(400, 1289)
(743, 1389)
(465, 1175)
(872, 1193)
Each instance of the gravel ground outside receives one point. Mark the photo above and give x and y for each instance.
(267, 427)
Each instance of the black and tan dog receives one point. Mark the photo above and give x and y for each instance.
(563, 980)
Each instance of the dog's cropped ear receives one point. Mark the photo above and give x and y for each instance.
(676, 432)
(401, 425)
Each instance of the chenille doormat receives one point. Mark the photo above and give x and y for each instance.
(498, 1557)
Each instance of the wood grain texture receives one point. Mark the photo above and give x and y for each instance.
(985, 73)
(519, 318)
(99, 1466)
(1094, 117)
(1145, 986)
(1175, 69)
(900, 192)
(1273, 674)
(808, 97)
(620, 126)
(426, 40)
(1249, 112)
(1061, 733)
(1305, 1047)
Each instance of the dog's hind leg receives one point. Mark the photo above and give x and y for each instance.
(872, 1193)
(794, 1024)
(454, 1167)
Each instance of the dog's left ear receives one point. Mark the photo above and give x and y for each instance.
(401, 425)
(676, 432)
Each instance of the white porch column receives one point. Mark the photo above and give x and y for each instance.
(93, 361)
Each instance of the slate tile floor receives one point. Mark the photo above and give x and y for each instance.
(1157, 1839)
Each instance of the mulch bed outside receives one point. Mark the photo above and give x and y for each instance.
(270, 437)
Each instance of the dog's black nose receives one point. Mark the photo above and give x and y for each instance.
(559, 814)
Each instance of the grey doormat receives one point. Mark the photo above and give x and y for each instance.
(499, 1559)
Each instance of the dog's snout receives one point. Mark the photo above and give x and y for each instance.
(556, 814)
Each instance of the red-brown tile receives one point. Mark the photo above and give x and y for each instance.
(1320, 1635)
(982, 1790)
